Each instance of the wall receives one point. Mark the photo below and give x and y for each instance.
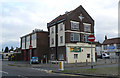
(82, 56)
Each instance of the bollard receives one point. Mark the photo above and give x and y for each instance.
(111, 60)
(86, 62)
(61, 65)
(75, 62)
(105, 60)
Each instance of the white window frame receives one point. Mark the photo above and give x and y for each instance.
(75, 56)
(74, 27)
(86, 38)
(105, 47)
(61, 26)
(33, 36)
(52, 41)
(72, 36)
(87, 27)
(52, 30)
(61, 39)
(23, 40)
(27, 38)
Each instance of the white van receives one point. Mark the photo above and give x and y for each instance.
(105, 55)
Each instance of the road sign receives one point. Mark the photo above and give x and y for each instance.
(30, 47)
(91, 38)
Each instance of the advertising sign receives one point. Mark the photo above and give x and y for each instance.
(75, 49)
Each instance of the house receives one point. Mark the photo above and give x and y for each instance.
(68, 36)
(98, 49)
(38, 39)
(111, 46)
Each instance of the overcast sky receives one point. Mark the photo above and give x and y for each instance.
(19, 17)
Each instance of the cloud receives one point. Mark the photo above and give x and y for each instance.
(20, 17)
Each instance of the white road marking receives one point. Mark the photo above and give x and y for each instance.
(4, 72)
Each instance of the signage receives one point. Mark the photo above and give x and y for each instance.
(111, 47)
(91, 38)
(30, 47)
(61, 65)
(75, 49)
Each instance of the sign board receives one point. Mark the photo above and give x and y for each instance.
(30, 47)
(75, 49)
(111, 47)
(91, 38)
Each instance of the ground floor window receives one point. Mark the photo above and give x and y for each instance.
(61, 57)
(75, 56)
(52, 56)
(88, 55)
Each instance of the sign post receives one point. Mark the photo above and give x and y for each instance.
(91, 38)
(30, 47)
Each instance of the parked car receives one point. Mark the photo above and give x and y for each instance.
(105, 55)
(34, 60)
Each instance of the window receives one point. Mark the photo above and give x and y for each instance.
(75, 56)
(75, 37)
(61, 39)
(52, 41)
(52, 56)
(23, 40)
(118, 46)
(6, 54)
(87, 27)
(86, 38)
(61, 26)
(28, 39)
(61, 57)
(88, 55)
(33, 36)
(105, 47)
(52, 30)
(74, 25)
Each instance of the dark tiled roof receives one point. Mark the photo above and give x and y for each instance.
(112, 41)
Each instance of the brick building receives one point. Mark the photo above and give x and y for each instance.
(68, 36)
(39, 41)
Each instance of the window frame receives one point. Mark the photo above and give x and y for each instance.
(73, 36)
(75, 56)
(61, 39)
(87, 27)
(75, 27)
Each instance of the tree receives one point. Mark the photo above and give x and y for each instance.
(6, 50)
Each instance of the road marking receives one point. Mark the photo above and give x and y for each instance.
(4, 72)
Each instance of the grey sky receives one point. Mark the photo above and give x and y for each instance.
(20, 17)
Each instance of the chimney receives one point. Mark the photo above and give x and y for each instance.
(105, 37)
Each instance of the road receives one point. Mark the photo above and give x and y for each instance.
(28, 72)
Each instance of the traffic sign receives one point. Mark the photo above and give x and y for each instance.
(91, 38)
(30, 47)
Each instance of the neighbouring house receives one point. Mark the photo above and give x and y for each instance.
(68, 36)
(98, 49)
(38, 39)
(111, 46)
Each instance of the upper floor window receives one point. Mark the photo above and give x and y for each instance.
(33, 36)
(105, 47)
(23, 40)
(52, 30)
(75, 37)
(86, 38)
(74, 25)
(87, 27)
(52, 41)
(28, 38)
(61, 26)
(61, 39)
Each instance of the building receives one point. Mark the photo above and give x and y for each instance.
(111, 46)
(38, 39)
(68, 36)
(98, 49)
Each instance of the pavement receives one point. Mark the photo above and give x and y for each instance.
(53, 68)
